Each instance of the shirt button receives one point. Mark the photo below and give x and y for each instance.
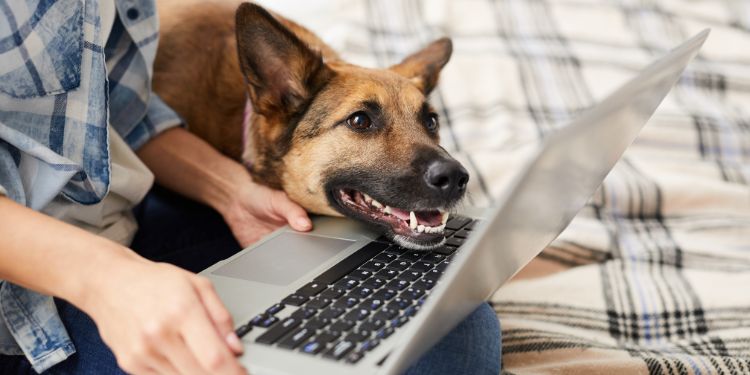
(133, 13)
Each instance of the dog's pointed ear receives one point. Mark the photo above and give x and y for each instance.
(423, 67)
(283, 73)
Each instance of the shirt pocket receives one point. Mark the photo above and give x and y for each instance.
(41, 52)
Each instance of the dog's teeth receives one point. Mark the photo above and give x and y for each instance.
(445, 218)
(420, 228)
(412, 220)
(387, 210)
(368, 198)
(440, 228)
(376, 204)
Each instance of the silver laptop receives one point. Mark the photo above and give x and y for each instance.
(343, 300)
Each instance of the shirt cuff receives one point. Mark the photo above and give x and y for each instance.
(159, 118)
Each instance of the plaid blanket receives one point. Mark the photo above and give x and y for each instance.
(653, 275)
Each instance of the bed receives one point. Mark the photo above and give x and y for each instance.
(653, 275)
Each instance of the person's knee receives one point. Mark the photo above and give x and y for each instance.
(473, 347)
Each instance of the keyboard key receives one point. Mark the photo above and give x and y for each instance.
(361, 292)
(317, 323)
(331, 313)
(370, 344)
(361, 274)
(457, 222)
(351, 263)
(258, 319)
(463, 233)
(399, 265)
(296, 338)
(332, 293)
(425, 284)
(445, 250)
(340, 349)
(472, 225)
(318, 303)
(275, 333)
(453, 241)
(412, 256)
(398, 322)
(371, 325)
(311, 289)
(447, 233)
(412, 293)
(275, 308)
(346, 302)
(385, 294)
(318, 343)
(357, 315)
(410, 311)
(347, 283)
(385, 314)
(372, 304)
(386, 257)
(271, 320)
(433, 274)
(373, 266)
(387, 273)
(304, 313)
(397, 284)
(433, 258)
(357, 337)
(384, 333)
(243, 330)
(402, 302)
(421, 266)
(295, 300)
(374, 282)
(410, 275)
(341, 326)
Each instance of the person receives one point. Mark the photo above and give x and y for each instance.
(97, 267)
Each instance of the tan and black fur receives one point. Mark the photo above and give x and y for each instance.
(213, 54)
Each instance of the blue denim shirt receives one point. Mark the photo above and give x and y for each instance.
(60, 83)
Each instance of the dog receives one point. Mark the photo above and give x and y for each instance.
(339, 139)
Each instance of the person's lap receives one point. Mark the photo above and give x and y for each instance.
(182, 232)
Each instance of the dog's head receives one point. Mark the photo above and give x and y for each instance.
(346, 140)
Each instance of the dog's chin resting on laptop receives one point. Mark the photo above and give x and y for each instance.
(339, 139)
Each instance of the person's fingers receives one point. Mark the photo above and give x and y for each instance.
(209, 348)
(219, 315)
(158, 364)
(293, 213)
(181, 358)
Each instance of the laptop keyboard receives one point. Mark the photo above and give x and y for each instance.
(349, 309)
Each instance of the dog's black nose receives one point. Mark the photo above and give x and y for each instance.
(447, 177)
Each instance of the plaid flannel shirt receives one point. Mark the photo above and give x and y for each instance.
(59, 82)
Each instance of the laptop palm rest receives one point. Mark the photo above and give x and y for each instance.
(284, 258)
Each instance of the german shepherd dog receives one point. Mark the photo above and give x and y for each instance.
(339, 139)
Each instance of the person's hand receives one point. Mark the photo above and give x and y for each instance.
(160, 319)
(256, 210)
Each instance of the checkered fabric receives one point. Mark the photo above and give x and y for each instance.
(653, 275)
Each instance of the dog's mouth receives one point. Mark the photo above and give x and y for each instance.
(420, 229)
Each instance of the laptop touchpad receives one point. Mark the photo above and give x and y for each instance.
(284, 258)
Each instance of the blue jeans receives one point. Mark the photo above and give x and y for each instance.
(182, 232)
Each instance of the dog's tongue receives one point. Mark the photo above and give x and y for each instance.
(429, 218)
(399, 213)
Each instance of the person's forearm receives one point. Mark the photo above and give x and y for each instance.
(188, 165)
(51, 257)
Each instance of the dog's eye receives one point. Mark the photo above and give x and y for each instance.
(432, 122)
(359, 121)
